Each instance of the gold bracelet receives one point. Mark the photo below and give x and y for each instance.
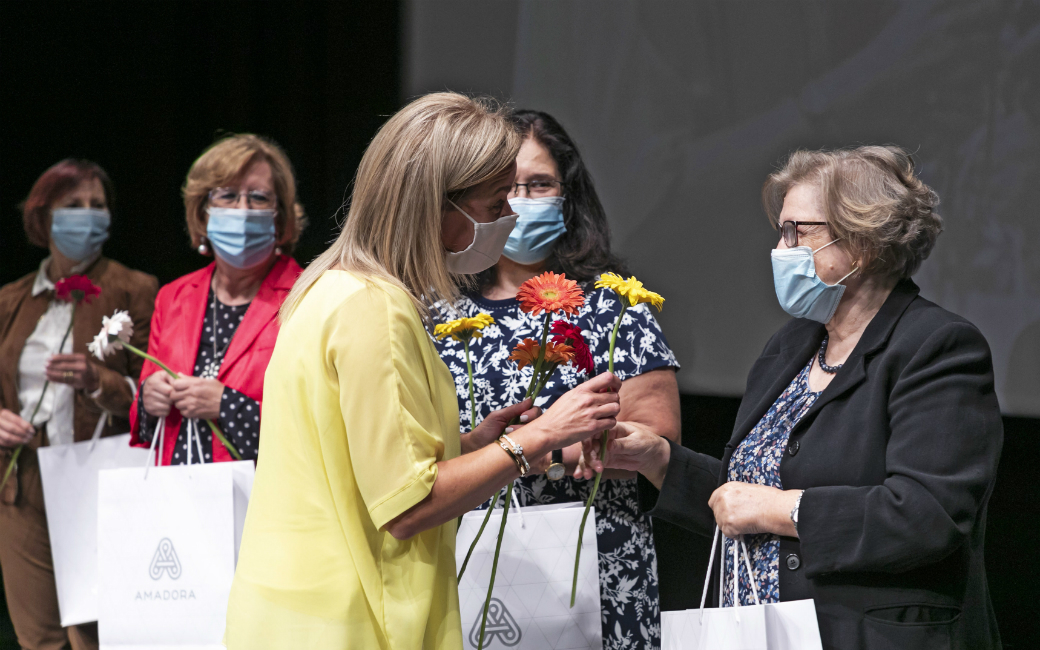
(505, 446)
(518, 453)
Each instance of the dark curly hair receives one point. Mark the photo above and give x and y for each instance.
(583, 252)
(884, 215)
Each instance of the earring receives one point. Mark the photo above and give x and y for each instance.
(278, 250)
(203, 249)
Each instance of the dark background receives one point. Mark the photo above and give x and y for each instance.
(143, 88)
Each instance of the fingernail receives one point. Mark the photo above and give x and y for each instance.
(509, 429)
(524, 418)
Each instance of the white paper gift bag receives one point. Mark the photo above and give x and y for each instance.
(167, 547)
(788, 625)
(70, 489)
(530, 605)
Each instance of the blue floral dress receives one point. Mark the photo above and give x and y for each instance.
(627, 559)
(757, 460)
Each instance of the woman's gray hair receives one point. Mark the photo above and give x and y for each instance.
(884, 215)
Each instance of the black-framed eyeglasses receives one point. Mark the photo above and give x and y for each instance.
(789, 230)
(537, 188)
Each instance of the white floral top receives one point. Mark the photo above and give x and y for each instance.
(627, 559)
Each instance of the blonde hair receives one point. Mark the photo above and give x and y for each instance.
(222, 163)
(438, 145)
(883, 214)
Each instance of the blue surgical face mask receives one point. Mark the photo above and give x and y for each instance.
(79, 232)
(242, 238)
(539, 226)
(800, 291)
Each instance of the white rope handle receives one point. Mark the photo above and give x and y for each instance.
(736, 576)
(160, 429)
(750, 572)
(707, 576)
(97, 430)
(198, 440)
(516, 504)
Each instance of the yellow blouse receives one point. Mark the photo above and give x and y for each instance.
(358, 409)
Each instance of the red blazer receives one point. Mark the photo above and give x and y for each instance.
(176, 331)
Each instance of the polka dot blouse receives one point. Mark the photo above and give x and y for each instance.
(239, 415)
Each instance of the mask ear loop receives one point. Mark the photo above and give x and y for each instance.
(849, 273)
(825, 246)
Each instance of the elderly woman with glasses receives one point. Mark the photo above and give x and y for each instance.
(216, 327)
(866, 447)
(563, 228)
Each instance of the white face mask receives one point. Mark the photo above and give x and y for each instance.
(486, 248)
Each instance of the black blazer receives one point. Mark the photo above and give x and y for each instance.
(897, 458)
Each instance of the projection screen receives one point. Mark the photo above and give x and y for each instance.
(681, 109)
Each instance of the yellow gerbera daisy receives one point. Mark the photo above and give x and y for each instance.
(462, 329)
(631, 290)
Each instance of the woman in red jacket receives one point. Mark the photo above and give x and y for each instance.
(217, 327)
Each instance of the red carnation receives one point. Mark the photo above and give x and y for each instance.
(564, 332)
(77, 288)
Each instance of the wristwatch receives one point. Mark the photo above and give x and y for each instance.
(556, 470)
(794, 511)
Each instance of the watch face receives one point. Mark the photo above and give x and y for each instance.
(555, 472)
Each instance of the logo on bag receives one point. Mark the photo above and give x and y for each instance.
(500, 624)
(165, 559)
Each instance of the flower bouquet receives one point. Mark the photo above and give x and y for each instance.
(550, 294)
(75, 289)
(115, 334)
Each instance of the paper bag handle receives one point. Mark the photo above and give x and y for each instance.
(160, 431)
(711, 562)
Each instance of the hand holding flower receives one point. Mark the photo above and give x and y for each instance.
(580, 412)
(14, 430)
(155, 393)
(73, 369)
(196, 397)
(491, 427)
(202, 401)
(630, 446)
(75, 289)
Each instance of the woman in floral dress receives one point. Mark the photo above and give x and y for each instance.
(562, 228)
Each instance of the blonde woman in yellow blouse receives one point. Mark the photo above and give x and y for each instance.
(350, 537)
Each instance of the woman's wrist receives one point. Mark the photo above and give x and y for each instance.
(656, 466)
(533, 439)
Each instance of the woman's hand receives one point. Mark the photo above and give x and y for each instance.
(198, 398)
(630, 446)
(745, 508)
(14, 430)
(73, 369)
(497, 422)
(155, 395)
(581, 411)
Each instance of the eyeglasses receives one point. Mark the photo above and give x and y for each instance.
(536, 188)
(789, 230)
(228, 197)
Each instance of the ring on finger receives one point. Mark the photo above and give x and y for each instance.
(67, 375)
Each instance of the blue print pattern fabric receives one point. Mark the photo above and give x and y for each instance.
(757, 461)
(627, 559)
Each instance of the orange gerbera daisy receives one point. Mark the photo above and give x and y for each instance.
(558, 353)
(525, 353)
(550, 293)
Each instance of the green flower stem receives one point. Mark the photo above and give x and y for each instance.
(494, 565)
(472, 399)
(480, 531)
(212, 425)
(46, 384)
(602, 456)
(538, 379)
